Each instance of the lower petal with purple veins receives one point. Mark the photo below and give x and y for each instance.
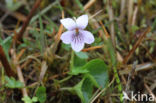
(77, 42)
(77, 46)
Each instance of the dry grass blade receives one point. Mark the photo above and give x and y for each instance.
(111, 18)
(19, 72)
(122, 9)
(104, 29)
(139, 67)
(21, 78)
(92, 48)
(143, 34)
(50, 52)
(57, 40)
(134, 15)
(89, 4)
(43, 70)
(20, 54)
(130, 11)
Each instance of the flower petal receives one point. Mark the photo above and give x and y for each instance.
(77, 46)
(68, 23)
(77, 42)
(66, 37)
(88, 36)
(82, 21)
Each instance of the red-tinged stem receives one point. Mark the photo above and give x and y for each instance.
(5, 63)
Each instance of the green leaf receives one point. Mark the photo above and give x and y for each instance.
(84, 90)
(49, 29)
(6, 45)
(13, 5)
(77, 67)
(98, 72)
(12, 83)
(34, 99)
(134, 28)
(87, 90)
(78, 70)
(27, 99)
(96, 75)
(78, 91)
(97, 42)
(41, 94)
(78, 62)
(82, 55)
(66, 46)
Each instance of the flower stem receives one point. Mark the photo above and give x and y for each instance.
(65, 79)
(66, 88)
(71, 67)
(72, 61)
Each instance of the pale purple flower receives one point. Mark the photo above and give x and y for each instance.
(76, 35)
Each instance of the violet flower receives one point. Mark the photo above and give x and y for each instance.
(76, 35)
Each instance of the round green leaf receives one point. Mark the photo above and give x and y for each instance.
(98, 72)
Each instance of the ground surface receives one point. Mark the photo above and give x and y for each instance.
(36, 66)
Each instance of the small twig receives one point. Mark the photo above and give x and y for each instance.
(136, 45)
(18, 37)
(139, 67)
(129, 78)
(96, 92)
(149, 90)
(130, 75)
(92, 101)
(5, 63)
